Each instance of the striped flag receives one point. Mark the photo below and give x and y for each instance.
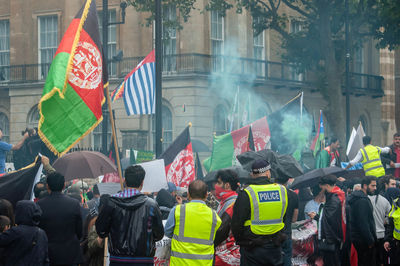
(138, 88)
(318, 141)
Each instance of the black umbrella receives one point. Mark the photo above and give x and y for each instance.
(282, 165)
(243, 175)
(312, 178)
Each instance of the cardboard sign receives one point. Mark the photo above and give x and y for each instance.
(155, 178)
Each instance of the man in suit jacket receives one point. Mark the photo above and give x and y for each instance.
(62, 222)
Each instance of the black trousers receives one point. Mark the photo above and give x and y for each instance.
(266, 255)
(331, 258)
(366, 255)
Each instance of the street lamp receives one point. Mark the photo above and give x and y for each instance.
(105, 25)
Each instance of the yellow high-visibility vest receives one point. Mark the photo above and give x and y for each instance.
(268, 206)
(194, 233)
(395, 214)
(372, 161)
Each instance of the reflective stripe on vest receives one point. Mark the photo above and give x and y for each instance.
(193, 240)
(372, 165)
(267, 194)
(192, 256)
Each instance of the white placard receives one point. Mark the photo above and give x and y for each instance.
(10, 167)
(155, 178)
(397, 165)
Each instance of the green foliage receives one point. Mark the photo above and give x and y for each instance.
(387, 26)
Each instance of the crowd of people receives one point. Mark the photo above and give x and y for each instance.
(221, 222)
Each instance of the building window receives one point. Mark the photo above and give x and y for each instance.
(112, 39)
(169, 38)
(217, 40)
(134, 139)
(220, 126)
(5, 126)
(33, 118)
(295, 27)
(97, 136)
(4, 50)
(48, 43)
(259, 52)
(166, 127)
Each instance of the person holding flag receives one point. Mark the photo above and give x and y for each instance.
(370, 157)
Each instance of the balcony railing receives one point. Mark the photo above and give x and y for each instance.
(197, 64)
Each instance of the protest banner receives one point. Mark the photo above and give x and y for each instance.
(155, 178)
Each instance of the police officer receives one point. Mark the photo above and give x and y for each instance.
(392, 232)
(192, 227)
(370, 157)
(258, 218)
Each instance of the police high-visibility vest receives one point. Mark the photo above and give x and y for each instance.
(372, 161)
(395, 214)
(194, 233)
(268, 206)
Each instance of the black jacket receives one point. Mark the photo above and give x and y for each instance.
(241, 213)
(331, 220)
(362, 224)
(25, 244)
(133, 225)
(62, 222)
(387, 158)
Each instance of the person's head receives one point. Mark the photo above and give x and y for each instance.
(6, 209)
(366, 140)
(368, 185)
(172, 188)
(316, 191)
(96, 192)
(197, 190)
(5, 223)
(27, 213)
(55, 182)
(335, 144)
(392, 194)
(134, 176)
(396, 139)
(282, 180)
(261, 168)
(227, 179)
(386, 182)
(39, 187)
(326, 183)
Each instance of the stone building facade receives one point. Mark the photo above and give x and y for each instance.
(199, 85)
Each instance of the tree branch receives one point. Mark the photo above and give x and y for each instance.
(297, 9)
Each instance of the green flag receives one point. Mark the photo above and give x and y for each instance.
(226, 148)
(70, 107)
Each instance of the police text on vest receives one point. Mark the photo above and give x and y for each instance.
(266, 196)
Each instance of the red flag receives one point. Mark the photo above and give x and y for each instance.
(178, 160)
(261, 134)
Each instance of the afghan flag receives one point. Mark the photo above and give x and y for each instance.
(70, 107)
(261, 134)
(18, 185)
(318, 141)
(227, 147)
(179, 161)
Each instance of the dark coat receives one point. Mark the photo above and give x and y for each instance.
(331, 220)
(241, 213)
(387, 158)
(25, 244)
(362, 223)
(133, 225)
(62, 222)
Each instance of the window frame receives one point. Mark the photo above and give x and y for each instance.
(6, 51)
(45, 66)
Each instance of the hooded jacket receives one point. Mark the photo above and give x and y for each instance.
(362, 224)
(25, 244)
(132, 224)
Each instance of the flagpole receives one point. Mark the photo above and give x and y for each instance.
(158, 50)
(114, 137)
